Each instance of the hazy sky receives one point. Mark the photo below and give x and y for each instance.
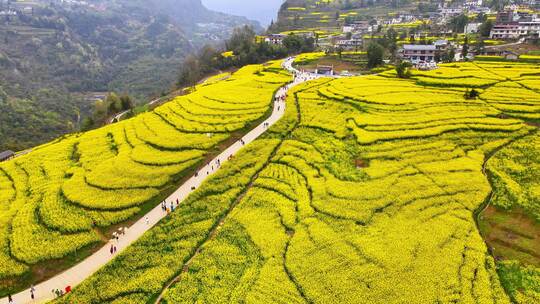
(260, 10)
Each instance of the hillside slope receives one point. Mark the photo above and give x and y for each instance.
(60, 201)
(359, 194)
(54, 57)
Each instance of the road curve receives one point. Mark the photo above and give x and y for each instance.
(78, 273)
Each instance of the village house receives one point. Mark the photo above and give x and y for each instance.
(349, 44)
(479, 10)
(416, 53)
(449, 12)
(275, 39)
(516, 30)
(325, 70)
(513, 24)
(357, 27)
(506, 54)
(472, 3)
(505, 31)
(472, 28)
(441, 45)
(361, 26)
(348, 29)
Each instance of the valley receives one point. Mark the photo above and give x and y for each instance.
(54, 53)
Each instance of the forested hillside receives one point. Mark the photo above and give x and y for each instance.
(54, 56)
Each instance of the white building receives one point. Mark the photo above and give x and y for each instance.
(416, 53)
(480, 10)
(275, 39)
(505, 31)
(441, 45)
(348, 29)
(472, 28)
(516, 30)
(349, 44)
(473, 3)
(447, 12)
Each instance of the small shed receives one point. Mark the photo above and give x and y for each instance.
(325, 70)
(509, 55)
(6, 155)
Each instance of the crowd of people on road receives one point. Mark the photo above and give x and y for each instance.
(165, 207)
(169, 207)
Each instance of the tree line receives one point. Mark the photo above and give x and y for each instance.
(104, 109)
(244, 47)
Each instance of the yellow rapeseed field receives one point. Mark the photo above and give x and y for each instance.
(365, 192)
(55, 199)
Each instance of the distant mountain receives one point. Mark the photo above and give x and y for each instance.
(261, 10)
(189, 14)
(55, 57)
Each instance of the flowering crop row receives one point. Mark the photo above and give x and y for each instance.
(52, 199)
(368, 197)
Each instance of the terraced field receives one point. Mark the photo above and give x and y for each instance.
(62, 198)
(510, 225)
(365, 192)
(321, 17)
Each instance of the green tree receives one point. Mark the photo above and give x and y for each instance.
(485, 28)
(375, 53)
(449, 55)
(87, 124)
(391, 42)
(465, 48)
(190, 72)
(403, 69)
(295, 44)
(480, 45)
(114, 104)
(126, 102)
(458, 23)
(471, 94)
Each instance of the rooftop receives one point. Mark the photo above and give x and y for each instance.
(419, 47)
(325, 67)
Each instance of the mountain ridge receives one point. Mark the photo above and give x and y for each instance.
(66, 52)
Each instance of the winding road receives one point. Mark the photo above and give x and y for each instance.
(78, 273)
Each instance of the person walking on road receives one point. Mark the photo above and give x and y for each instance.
(10, 299)
(32, 290)
(147, 221)
(112, 250)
